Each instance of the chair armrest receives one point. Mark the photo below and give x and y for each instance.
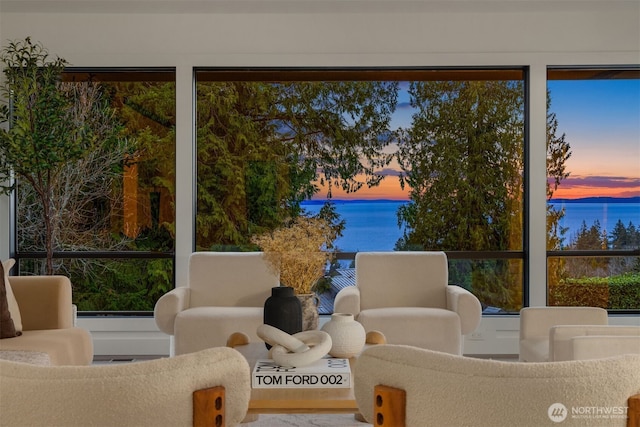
(560, 346)
(561, 337)
(347, 301)
(168, 306)
(44, 301)
(535, 322)
(208, 404)
(633, 411)
(466, 305)
(390, 406)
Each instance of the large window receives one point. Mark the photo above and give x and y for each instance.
(594, 202)
(408, 159)
(112, 213)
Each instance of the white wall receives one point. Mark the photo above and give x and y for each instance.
(395, 33)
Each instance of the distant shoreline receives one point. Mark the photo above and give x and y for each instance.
(599, 200)
(635, 199)
(372, 224)
(323, 201)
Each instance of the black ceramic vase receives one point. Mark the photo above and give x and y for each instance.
(283, 310)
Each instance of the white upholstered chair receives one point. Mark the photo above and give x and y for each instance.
(404, 386)
(211, 387)
(48, 321)
(406, 296)
(536, 324)
(225, 293)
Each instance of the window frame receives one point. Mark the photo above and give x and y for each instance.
(593, 72)
(516, 72)
(112, 74)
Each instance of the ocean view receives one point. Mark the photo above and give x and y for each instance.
(371, 225)
(607, 213)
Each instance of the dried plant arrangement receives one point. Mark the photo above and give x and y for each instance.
(299, 252)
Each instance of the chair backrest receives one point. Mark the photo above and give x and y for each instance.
(45, 301)
(537, 321)
(402, 279)
(230, 279)
(150, 393)
(444, 389)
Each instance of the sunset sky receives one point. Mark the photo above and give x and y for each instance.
(601, 121)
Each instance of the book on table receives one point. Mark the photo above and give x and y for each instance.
(328, 372)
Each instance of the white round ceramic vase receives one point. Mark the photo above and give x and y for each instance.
(347, 335)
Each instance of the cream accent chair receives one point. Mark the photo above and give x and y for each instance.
(406, 297)
(448, 390)
(536, 324)
(161, 392)
(225, 293)
(570, 342)
(47, 313)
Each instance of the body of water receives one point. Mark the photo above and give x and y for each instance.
(607, 214)
(372, 225)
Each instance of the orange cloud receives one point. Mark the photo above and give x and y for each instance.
(597, 186)
(389, 188)
(570, 188)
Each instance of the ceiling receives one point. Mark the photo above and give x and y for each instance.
(304, 6)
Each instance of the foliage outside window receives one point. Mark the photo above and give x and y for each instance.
(262, 148)
(109, 197)
(595, 258)
(270, 142)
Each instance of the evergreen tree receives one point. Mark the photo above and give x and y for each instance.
(589, 238)
(633, 236)
(622, 238)
(147, 111)
(264, 147)
(558, 152)
(464, 161)
(619, 236)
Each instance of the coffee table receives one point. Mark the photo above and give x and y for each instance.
(294, 400)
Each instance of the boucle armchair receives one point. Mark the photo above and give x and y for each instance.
(211, 388)
(406, 297)
(536, 324)
(47, 318)
(225, 293)
(447, 390)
